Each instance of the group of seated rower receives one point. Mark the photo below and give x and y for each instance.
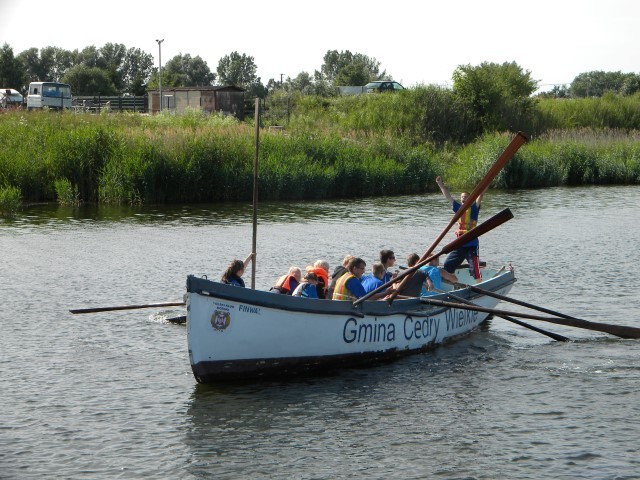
(348, 281)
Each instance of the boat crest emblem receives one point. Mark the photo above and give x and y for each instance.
(220, 319)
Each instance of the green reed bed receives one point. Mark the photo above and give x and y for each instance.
(427, 114)
(10, 201)
(134, 159)
(305, 166)
(127, 159)
(557, 158)
(606, 112)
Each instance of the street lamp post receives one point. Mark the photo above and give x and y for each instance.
(160, 70)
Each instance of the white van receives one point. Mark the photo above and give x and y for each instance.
(49, 94)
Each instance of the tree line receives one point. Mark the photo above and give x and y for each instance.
(115, 69)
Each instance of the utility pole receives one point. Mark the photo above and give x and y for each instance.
(160, 70)
(281, 75)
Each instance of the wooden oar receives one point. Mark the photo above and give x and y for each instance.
(498, 219)
(616, 330)
(555, 336)
(499, 164)
(126, 307)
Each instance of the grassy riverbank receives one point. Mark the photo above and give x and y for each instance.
(133, 159)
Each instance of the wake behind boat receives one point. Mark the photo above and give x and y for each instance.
(235, 333)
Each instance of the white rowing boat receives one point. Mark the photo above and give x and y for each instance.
(236, 333)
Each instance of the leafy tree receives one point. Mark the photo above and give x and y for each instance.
(136, 71)
(47, 64)
(56, 61)
(499, 95)
(273, 86)
(186, 71)
(346, 68)
(631, 85)
(596, 83)
(238, 70)
(89, 56)
(111, 59)
(32, 65)
(322, 86)
(256, 89)
(12, 71)
(89, 81)
(302, 83)
(558, 91)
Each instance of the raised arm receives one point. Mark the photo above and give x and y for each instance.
(444, 189)
(248, 260)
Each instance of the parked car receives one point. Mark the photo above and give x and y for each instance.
(10, 98)
(382, 86)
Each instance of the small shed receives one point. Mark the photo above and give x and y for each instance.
(228, 99)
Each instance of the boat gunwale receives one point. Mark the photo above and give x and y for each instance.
(414, 306)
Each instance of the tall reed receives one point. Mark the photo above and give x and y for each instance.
(10, 201)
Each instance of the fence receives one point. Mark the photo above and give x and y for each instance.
(273, 111)
(117, 104)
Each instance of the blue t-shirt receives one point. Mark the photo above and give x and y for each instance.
(370, 282)
(475, 212)
(436, 278)
(355, 287)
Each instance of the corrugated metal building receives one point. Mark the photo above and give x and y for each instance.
(229, 99)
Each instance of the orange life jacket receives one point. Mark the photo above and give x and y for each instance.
(322, 275)
(283, 285)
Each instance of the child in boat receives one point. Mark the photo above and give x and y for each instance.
(233, 274)
(373, 280)
(435, 276)
(307, 288)
(388, 260)
(321, 269)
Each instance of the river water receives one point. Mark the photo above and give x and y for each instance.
(111, 395)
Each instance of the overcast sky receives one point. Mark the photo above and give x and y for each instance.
(415, 42)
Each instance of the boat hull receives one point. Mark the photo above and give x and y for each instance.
(235, 333)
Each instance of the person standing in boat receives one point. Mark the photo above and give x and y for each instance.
(233, 274)
(468, 220)
(307, 287)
